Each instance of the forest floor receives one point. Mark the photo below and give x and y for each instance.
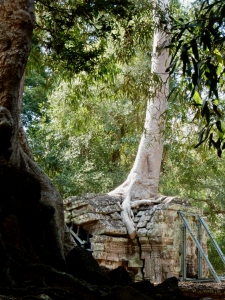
(85, 280)
(207, 291)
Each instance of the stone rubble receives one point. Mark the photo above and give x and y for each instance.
(155, 254)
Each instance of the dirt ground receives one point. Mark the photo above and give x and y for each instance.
(206, 291)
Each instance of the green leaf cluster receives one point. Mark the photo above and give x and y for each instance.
(197, 47)
(73, 35)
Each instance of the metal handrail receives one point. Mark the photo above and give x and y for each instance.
(77, 237)
(212, 239)
(201, 251)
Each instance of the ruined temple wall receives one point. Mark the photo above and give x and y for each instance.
(162, 243)
(155, 254)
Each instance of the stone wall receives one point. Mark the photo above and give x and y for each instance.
(155, 254)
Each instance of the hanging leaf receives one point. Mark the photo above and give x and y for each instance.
(219, 126)
(205, 111)
(219, 152)
(218, 56)
(215, 108)
(173, 68)
(219, 69)
(206, 40)
(211, 141)
(177, 49)
(200, 135)
(218, 144)
(195, 48)
(185, 59)
(197, 98)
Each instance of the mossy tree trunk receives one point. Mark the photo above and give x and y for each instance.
(16, 26)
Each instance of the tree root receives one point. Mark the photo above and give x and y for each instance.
(127, 205)
(128, 216)
(137, 203)
(39, 279)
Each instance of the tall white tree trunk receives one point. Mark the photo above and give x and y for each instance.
(143, 180)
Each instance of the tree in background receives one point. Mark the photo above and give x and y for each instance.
(91, 138)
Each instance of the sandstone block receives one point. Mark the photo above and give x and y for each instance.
(142, 232)
(141, 224)
(74, 202)
(108, 227)
(99, 255)
(98, 247)
(115, 216)
(136, 219)
(86, 218)
(135, 263)
(140, 213)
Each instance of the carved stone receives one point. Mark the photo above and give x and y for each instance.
(155, 253)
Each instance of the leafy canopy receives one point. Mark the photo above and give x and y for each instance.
(197, 43)
(73, 35)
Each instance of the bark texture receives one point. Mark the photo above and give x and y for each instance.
(17, 22)
(143, 180)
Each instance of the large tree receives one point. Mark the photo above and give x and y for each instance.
(143, 180)
(17, 23)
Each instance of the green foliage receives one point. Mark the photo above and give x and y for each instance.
(197, 43)
(218, 229)
(189, 172)
(194, 174)
(35, 101)
(85, 128)
(90, 143)
(73, 35)
(72, 32)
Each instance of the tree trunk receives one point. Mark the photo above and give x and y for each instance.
(143, 180)
(17, 22)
